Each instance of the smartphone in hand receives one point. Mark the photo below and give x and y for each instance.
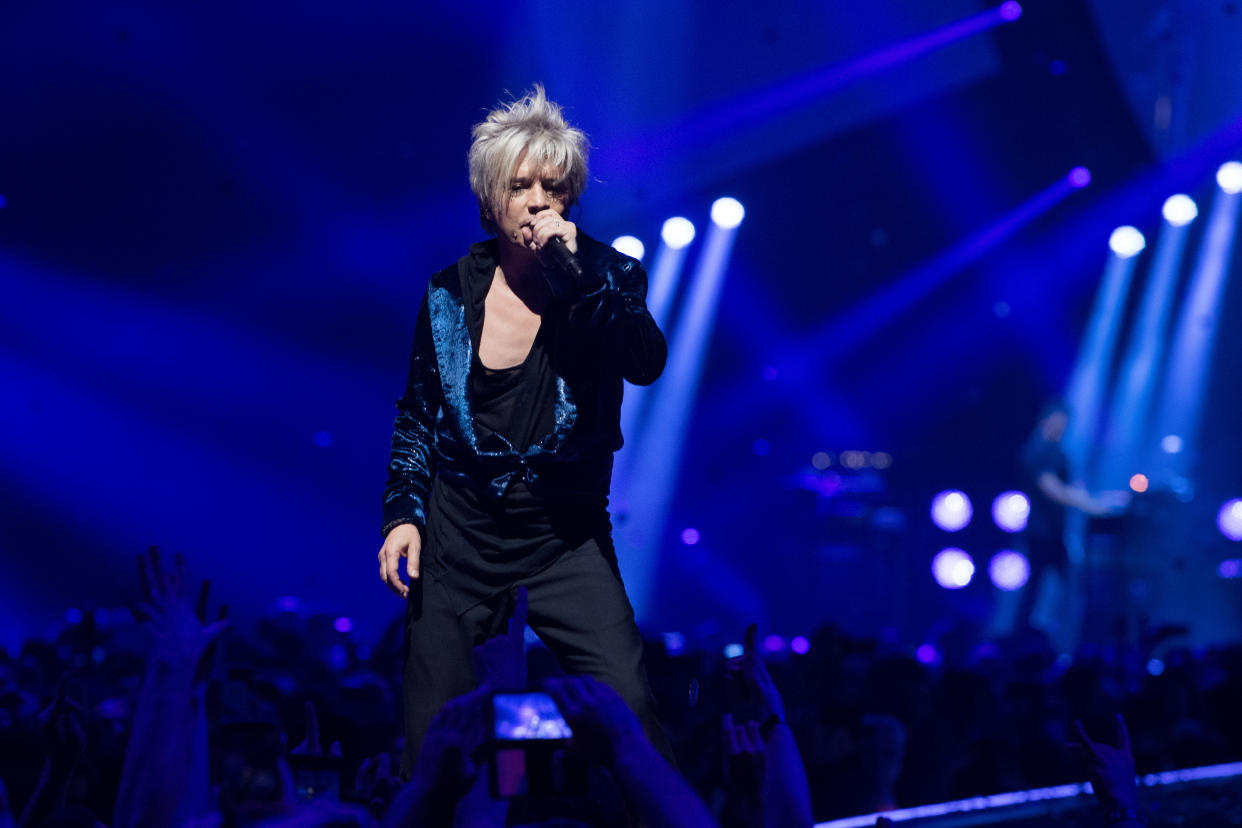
(529, 737)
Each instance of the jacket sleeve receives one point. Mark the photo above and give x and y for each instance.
(412, 460)
(613, 308)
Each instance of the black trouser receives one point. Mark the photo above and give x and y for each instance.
(577, 607)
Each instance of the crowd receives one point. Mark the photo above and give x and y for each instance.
(166, 716)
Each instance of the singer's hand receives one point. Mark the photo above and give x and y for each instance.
(549, 224)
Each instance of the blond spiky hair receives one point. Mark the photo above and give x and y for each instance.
(531, 125)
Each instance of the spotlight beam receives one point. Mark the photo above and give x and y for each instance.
(789, 95)
(1186, 376)
(1089, 380)
(1128, 412)
(657, 457)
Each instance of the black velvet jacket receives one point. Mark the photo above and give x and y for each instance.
(605, 334)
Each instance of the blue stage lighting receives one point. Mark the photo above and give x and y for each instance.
(1179, 210)
(1127, 242)
(1010, 11)
(1229, 177)
(1229, 569)
(630, 246)
(733, 650)
(1010, 510)
(674, 643)
(727, 213)
(1171, 444)
(677, 232)
(1009, 570)
(773, 643)
(1229, 519)
(951, 510)
(323, 439)
(953, 568)
(926, 654)
(1079, 177)
(800, 645)
(690, 537)
(343, 624)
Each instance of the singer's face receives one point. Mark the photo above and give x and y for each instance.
(532, 189)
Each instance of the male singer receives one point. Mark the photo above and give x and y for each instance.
(503, 443)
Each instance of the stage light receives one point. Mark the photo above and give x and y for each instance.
(882, 460)
(926, 654)
(1179, 210)
(73, 616)
(1229, 177)
(821, 460)
(1155, 667)
(323, 439)
(1009, 570)
(677, 232)
(1127, 242)
(951, 510)
(1010, 511)
(952, 568)
(733, 650)
(343, 625)
(630, 246)
(800, 645)
(1229, 519)
(1010, 11)
(774, 643)
(1138, 483)
(674, 642)
(1079, 177)
(1171, 443)
(1231, 568)
(727, 213)
(690, 537)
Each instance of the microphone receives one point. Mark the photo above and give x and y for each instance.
(564, 259)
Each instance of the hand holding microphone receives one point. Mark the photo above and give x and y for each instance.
(555, 239)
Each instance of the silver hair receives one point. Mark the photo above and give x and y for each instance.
(532, 125)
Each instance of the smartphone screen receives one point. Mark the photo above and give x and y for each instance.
(528, 751)
(316, 777)
(523, 716)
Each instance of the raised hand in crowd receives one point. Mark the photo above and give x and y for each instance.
(165, 776)
(752, 685)
(180, 631)
(786, 797)
(500, 661)
(448, 764)
(65, 741)
(607, 733)
(310, 744)
(377, 784)
(744, 761)
(1111, 771)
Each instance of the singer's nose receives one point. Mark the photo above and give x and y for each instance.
(538, 200)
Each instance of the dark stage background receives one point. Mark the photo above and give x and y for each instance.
(217, 221)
